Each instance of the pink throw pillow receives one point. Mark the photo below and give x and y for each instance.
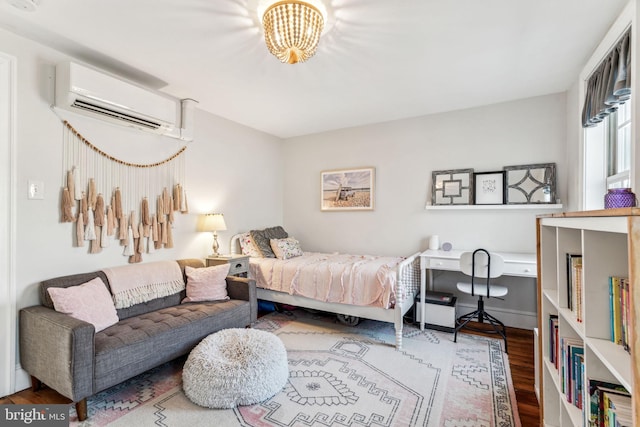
(90, 302)
(207, 284)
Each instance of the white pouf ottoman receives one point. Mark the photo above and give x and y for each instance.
(235, 367)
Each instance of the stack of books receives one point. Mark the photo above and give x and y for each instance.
(609, 405)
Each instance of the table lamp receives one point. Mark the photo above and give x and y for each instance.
(214, 222)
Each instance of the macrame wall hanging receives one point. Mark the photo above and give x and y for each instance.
(133, 204)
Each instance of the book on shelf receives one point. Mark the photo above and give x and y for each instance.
(571, 349)
(574, 284)
(615, 405)
(596, 404)
(619, 310)
(553, 339)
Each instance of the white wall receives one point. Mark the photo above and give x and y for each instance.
(404, 154)
(230, 169)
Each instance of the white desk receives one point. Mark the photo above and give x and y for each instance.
(515, 264)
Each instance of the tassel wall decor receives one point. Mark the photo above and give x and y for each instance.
(67, 205)
(99, 211)
(93, 177)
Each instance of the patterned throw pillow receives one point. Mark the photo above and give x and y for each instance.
(90, 302)
(261, 238)
(247, 246)
(286, 248)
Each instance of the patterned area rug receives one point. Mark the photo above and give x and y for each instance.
(339, 376)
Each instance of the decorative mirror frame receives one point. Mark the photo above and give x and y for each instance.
(548, 184)
(451, 188)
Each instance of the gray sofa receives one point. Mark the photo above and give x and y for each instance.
(67, 355)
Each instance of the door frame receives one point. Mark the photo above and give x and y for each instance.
(8, 300)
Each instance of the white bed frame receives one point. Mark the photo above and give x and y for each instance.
(407, 276)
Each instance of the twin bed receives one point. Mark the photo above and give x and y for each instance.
(352, 286)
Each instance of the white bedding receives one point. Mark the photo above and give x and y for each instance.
(338, 278)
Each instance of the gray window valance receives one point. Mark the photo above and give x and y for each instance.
(610, 83)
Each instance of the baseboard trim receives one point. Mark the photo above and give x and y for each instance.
(511, 318)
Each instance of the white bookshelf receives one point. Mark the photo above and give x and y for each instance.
(609, 242)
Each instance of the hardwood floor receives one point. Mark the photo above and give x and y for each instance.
(521, 361)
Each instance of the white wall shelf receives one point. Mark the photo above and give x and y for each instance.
(536, 206)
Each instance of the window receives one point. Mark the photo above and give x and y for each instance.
(619, 147)
(607, 156)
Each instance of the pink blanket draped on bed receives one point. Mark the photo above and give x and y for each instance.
(339, 278)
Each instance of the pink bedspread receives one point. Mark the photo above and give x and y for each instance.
(339, 278)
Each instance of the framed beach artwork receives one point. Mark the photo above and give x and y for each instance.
(347, 189)
(489, 188)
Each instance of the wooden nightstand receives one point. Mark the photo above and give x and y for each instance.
(239, 263)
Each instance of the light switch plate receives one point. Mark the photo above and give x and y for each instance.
(36, 190)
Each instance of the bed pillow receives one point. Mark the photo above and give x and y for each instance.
(90, 302)
(247, 245)
(207, 283)
(262, 239)
(286, 248)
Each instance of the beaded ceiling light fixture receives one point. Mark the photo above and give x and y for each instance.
(292, 28)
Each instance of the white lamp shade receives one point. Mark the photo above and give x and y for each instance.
(214, 222)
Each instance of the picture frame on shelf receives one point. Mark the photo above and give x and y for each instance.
(489, 188)
(347, 189)
(452, 187)
(530, 184)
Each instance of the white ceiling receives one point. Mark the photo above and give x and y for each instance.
(379, 60)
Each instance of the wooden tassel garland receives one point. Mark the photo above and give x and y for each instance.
(133, 224)
(144, 217)
(76, 184)
(169, 243)
(154, 228)
(176, 197)
(129, 245)
(111, 222)
(84, 208)
(99, 211)
(96, 245)
(90, 229)
(104, 235)
(67, 206)
(92, 197)
(71, 183)
(167, 201)
(153, 233)
(160, 210)
(141, 239)
(126, 212)
(80, 230)
(122, 230)
(171, 213)
(185, 206)
(158, 242)
(165, 227)
(117, 207)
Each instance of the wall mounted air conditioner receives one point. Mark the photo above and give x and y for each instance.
(84, 90)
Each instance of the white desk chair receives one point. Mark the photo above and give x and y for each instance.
(479, 264)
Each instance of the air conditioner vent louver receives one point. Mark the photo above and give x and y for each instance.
(116, 115)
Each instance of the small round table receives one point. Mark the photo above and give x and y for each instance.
(235, 367)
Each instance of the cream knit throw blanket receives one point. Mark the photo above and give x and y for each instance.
(133, 284)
